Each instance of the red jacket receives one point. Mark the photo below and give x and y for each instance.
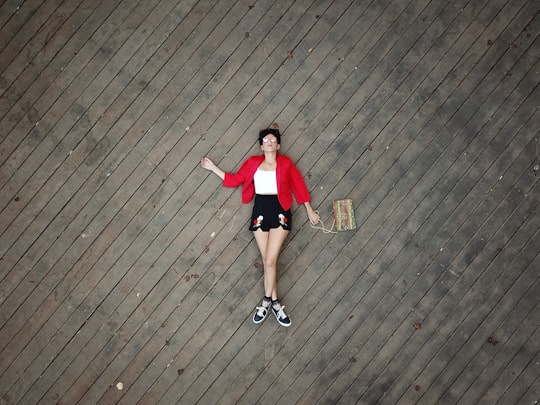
(289, 180)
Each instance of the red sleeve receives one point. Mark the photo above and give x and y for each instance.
(238, 178)
(298, 185)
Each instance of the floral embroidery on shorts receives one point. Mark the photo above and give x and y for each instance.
(257, 221)
(282, 220)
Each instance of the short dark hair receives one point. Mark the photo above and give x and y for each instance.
(269, 131)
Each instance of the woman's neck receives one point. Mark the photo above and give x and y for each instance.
(270, 157)
(269, 162)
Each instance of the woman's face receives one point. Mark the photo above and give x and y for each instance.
(269, 143)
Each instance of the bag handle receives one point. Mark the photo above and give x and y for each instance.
(322, 228)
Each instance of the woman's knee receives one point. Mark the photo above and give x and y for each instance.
(269, 262)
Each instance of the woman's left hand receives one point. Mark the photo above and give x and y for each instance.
(314, 218)
(313, 215)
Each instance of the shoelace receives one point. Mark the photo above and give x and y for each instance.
(260, 310)
(282, 313)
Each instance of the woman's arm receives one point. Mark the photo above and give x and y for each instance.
(312, 215)
(209, 165)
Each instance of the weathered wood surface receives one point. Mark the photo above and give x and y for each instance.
(122, 261)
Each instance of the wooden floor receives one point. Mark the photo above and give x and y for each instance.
(127, 272)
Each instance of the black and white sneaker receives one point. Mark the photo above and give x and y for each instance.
(260, 314)
(281, 316)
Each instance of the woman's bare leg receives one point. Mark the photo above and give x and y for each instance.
(270, 244)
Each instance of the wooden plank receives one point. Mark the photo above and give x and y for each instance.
(7, 9)
(33, 206)
(532, 392)
(34, 258)
(105, 197)
(76, 211)
(514, 354)
(469, 283)
(383, 267)
(474, 341)
(349, 156)
(451, 302)
(526, 387)
(26, 24)
(123, 261)
(416, 290)
(51, 37)
(449, 108)
(45, 88)
(68, 111)
(406, 326)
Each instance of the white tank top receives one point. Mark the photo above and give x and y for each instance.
(265, 182)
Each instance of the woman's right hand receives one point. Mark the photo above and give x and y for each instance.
(207, 164)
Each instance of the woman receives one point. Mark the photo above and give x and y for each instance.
(272, 179)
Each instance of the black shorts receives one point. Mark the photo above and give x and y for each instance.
(268, 213)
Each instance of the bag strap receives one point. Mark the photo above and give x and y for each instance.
(322, 228)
